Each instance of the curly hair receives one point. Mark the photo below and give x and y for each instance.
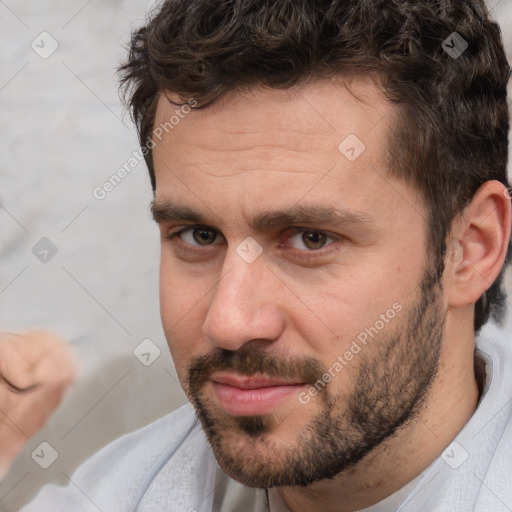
(451, 132)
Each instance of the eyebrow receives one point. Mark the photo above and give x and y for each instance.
(166, 211)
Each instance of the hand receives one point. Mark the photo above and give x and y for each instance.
(36, 368)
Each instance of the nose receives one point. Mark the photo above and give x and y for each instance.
(245, 305)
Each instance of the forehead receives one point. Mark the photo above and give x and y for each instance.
(319, 114)
(264, 148)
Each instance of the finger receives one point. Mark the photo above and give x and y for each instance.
(34, 357)
(15, 389)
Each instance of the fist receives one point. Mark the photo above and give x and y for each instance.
(36, 369)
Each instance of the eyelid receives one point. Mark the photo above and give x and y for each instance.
(300, 230)
(286, 234)
(179, 231)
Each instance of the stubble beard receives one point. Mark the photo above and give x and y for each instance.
(390, 388)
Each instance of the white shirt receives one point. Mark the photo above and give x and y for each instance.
(169, 465)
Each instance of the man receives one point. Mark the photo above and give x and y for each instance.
(331, 193)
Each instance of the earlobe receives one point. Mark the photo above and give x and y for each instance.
(478, 244)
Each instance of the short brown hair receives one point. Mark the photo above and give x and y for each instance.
(451, 134)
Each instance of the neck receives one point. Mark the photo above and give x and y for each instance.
(448, 407)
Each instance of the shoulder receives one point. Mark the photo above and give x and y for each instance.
(473, 471)
(150, 441)
(117, 476)
(146, 445)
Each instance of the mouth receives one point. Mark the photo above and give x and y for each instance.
(242, 395)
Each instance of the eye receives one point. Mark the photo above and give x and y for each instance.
(311, 240)
(198, 235)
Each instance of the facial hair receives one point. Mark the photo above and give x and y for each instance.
(389, 389)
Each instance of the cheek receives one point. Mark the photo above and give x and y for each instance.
(183, 303)
(353, 307)
(180, 292)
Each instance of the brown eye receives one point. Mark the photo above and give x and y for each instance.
(204, 236)
(314, 239)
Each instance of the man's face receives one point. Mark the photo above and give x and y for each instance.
(296, 292)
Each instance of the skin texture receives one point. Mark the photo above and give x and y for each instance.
(305, 299)
(36, 369)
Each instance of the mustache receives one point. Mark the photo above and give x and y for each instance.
(253, 360)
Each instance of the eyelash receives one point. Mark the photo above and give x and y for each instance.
(312, 253)
(176, 234)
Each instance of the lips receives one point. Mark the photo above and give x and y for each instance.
(241, 395)
(250, 382)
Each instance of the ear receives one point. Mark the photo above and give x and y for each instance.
(478, 244)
